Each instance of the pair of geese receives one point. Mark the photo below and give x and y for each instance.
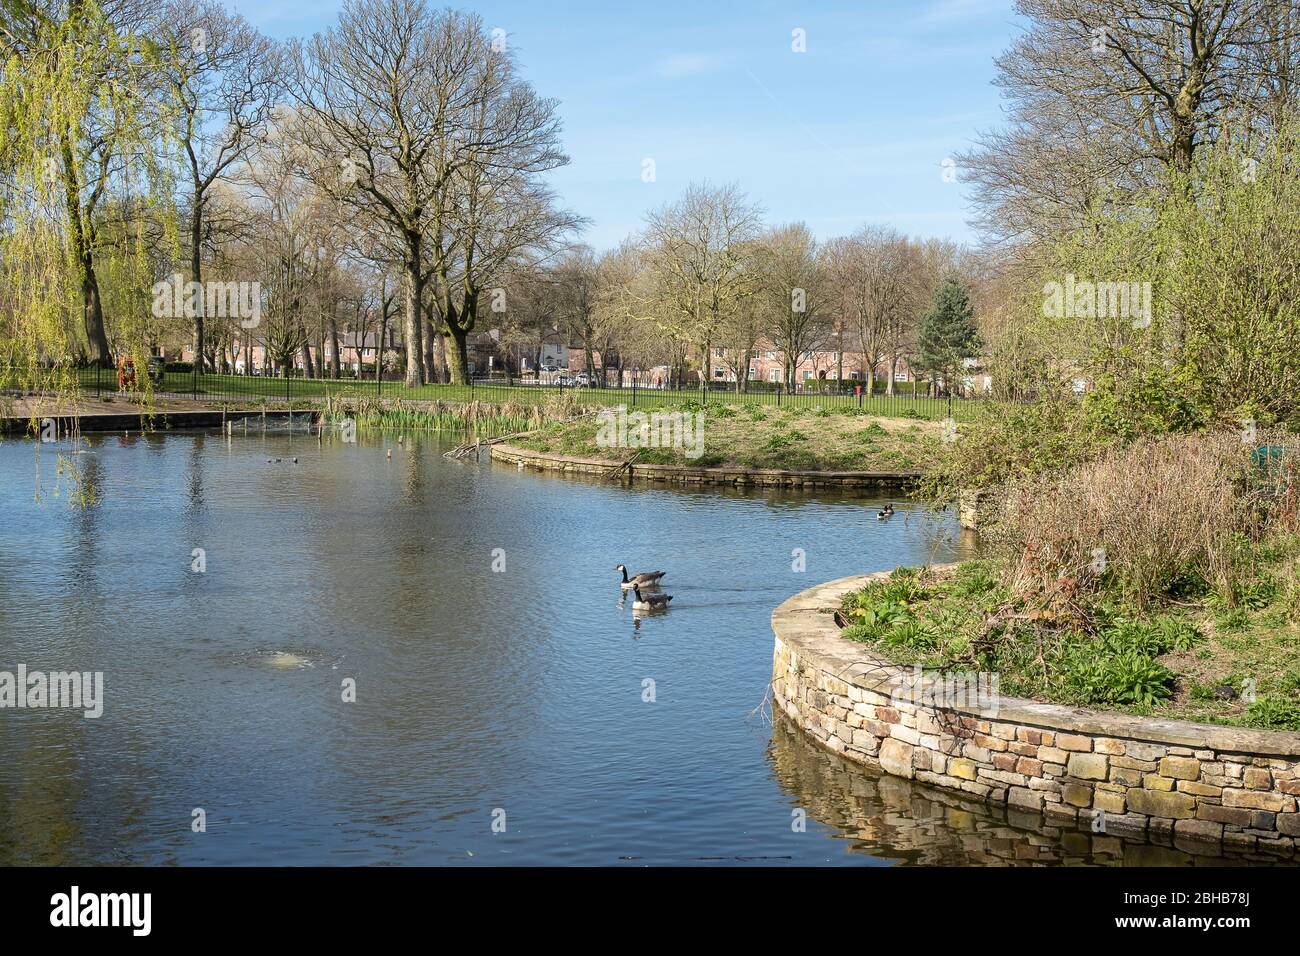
(885, 513)
(646, 579)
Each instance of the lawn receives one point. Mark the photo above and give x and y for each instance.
(765, 436)
(245, 388)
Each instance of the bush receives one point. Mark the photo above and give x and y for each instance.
(1140, 520)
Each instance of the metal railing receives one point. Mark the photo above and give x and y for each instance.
(218, 388)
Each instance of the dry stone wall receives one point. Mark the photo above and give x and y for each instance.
(1127, 775)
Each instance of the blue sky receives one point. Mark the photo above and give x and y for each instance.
(854, 130)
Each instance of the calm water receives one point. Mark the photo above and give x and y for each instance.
(477, 691)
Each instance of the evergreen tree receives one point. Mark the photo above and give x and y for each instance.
(948, 333)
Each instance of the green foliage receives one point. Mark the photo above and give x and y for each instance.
(1101, 674)
(1150, 401)
(1273, 713)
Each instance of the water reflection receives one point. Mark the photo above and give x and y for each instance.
(894, 819)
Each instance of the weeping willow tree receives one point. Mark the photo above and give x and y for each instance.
(82, 117)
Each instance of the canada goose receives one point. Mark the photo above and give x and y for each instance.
(645, 579)
(651, 602)
(886, 512)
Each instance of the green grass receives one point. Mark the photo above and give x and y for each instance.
(1179, 662)
(259, 388)
(764, 436)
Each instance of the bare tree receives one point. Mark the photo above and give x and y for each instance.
(794, 294)
(700, 249)
(379, 94)
(224, 80)
(1108, 95)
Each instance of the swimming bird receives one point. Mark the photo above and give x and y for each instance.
(886, 512)
(645, 579)
(649, 602)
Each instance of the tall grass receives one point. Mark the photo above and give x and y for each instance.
(1143, 521)
(480, 418)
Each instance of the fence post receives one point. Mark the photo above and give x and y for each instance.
(194, 379)
(288, 374)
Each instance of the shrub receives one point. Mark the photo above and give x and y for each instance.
(1140, 519)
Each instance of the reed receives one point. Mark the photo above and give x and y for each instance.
(486, 419)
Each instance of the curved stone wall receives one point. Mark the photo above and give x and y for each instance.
(1120, 774)
(683, 474)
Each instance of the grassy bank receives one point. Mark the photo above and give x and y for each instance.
(802, 439)
(1161, 578)
(1209, 662)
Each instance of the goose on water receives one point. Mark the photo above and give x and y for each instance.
(886, 512)
(649, 602)
(645, 579)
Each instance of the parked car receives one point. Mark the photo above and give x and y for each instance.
(583, 379)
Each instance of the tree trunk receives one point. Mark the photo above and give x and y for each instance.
(196, 274)
(413, 320)
(334, 344)
(458, 355)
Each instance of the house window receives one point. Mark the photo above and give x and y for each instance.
(772, 374)
(719, 373)
(717, 353)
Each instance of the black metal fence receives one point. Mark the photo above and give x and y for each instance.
(214, 388)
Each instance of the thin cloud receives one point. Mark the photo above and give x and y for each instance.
(944, 12)
(690, 64)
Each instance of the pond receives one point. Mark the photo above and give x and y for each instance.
(510, 708)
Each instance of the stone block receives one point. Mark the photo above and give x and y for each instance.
(1258, 778)
(1231, 815)
(1180, 768)
(896, 758)
(1257, 800)
(1077, 795)
(1088, 766)
(1024, 799)
(962, 767)
(1157, 803)
(1199, 830)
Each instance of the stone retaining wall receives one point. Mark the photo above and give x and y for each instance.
(1131, 776)
(885, 481)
